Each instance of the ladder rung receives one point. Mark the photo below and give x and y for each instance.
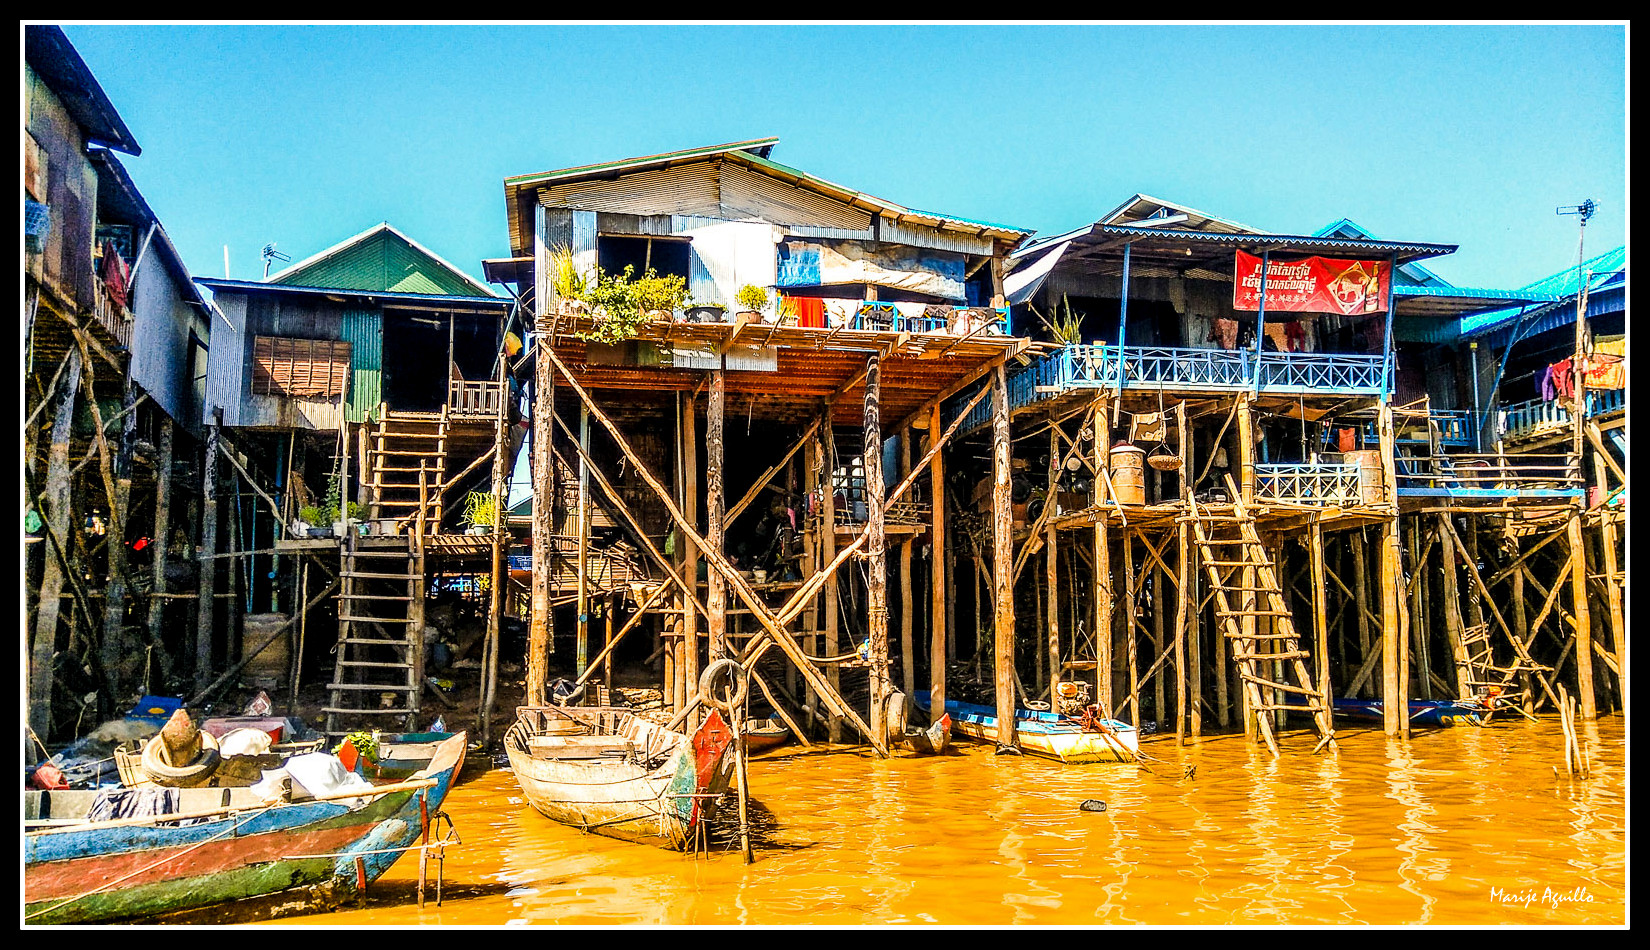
(1286, 687)
(375, 619)
(380, 687)
(1213, 563)
(1257, 613)
(376, 642)
(387, 552)
(364, 712)
(373, 597)
(383, 577)
(1263, 636)
(384, 666)
(1291, 655)
(1310, 709)
(411, 453)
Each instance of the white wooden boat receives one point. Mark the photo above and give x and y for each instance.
(1048, 734)
(604, 770)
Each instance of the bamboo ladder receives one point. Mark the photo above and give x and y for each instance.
(1232, 542)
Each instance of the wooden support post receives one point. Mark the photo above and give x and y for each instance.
(1583, 623)
(1320, 625)
(690, 553)
(161, 539)
(1246, 452)
(208, 552)
(1394, 669)
(1051, 568)
(938, 603)
(499, 567)
(1613, 584)
(58, 499)
(1002, 562)
(1452, 616)
(582, 647)
(1360, 593)
(833, 675)
(1131, 588)
(1180, 615)
(540, 632)
(907, 613)
(1102, 586)
(716, 598)
(1160, 679)
(1417, 630)
(876, 552)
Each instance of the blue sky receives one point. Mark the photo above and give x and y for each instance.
(1467, 135)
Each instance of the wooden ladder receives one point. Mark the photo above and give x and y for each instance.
(380, 649)
(1230, 549)
(405, 449)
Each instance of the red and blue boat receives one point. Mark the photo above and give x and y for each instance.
(221, 844)
(1422, 712)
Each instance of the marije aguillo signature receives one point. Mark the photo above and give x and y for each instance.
(1546, 896)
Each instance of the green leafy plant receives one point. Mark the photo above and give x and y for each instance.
(620, 303)
(565, 278)
(314, 515)
(480, 509)
(751, 297)
(1064, 324)
(365, 743)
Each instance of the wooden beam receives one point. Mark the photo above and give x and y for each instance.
(209, 546)
(938, 629)
(1583, 620)
(876, 581)
(540, 632)
(715, 499)
(58, 499)
(1002, 552)
(767, 476)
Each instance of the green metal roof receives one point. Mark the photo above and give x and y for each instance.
(381, 260)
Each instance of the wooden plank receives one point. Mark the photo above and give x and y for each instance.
(876, 551)
(938, 604)
(55, 513)
(1002, 559)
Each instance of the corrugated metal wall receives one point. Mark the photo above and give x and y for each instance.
(686, 189)
(364, 329)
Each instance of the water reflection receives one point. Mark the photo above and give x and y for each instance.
(1448, 828)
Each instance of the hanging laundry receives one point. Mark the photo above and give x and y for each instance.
(1562, 379)
(1606, 372)
(1346, 439)
(1278, 337)
(810, 311)
(1610, 345)
(1544, 383)
(114, 274)
(1226, 331)
(1295, 332)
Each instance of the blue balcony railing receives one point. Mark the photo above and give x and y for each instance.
(1328, 373)
(960, 321)
(1322, 483)
(1455, 429)
(1537, 417)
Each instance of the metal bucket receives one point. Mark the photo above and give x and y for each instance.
(1371, 486)
(1128, 473)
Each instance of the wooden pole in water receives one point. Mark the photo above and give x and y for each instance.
(876, 551)
(1360, 589)
(1002, 567)
(540, 641)
(582, 655)
(907, 609)
(1131, 586)
(1102, 562)
(500, 570)
(1583, 623)
(1320, 621)
(833, 675)
(939, 606)
(1452, 614)
(1394, 696)
(716, 597)
(1187, 625)
(690, 556)
(1417, 606)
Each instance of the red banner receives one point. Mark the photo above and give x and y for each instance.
(1313, 285)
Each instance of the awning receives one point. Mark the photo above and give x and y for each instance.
(1023, 284)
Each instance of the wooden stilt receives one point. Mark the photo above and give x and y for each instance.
(876, 551)
(1394, 696)
(1320, 624)
(716, 596)
(1583, 624)
(1131, 588)
(939, 606)
(540, 641)
(55, 514)
(833, 642)
(581, 657)
(209, 549)
(1452, 616)
(690, 552)
(160, 545)
(1002, 563)
(499, 566)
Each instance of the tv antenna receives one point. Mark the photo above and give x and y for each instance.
(270, 254)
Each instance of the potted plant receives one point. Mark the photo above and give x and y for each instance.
(316, 522)
(567, 282)
(751, 299)
(659, 297)
(480, 512)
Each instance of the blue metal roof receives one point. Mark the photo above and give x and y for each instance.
(1609, 273)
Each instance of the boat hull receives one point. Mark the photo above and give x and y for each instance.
(1046, 734)
(97, 874)
(1422, 712)
(658, 800)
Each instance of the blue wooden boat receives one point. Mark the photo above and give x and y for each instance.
(220, 844)
(1047, 734)
(1422, 712)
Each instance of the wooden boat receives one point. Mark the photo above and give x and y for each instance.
(1048, 734)
(604, 770)
(76, 871)
(764, 734)
(1422, 712)
(931, 741)
(400, 754)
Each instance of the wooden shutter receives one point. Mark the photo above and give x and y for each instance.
(287, 366)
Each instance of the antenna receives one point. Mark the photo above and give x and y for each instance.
(270, 254)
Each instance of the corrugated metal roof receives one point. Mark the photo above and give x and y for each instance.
(1607, 270)
(1201, 220)
(754, 146)
(1412, 270)
(1282, 242)
(55, 60)
(382, 259)
(447, 302)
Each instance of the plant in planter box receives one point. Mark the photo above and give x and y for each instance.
(751, 298)
(565, 278)
(480, 511)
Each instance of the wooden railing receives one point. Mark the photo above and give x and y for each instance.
(1322, 483)
(1490, 475)
(475, 397)
(114, 317)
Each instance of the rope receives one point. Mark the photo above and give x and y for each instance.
(166, 860)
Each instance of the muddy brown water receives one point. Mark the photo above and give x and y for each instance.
(1457, 826)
